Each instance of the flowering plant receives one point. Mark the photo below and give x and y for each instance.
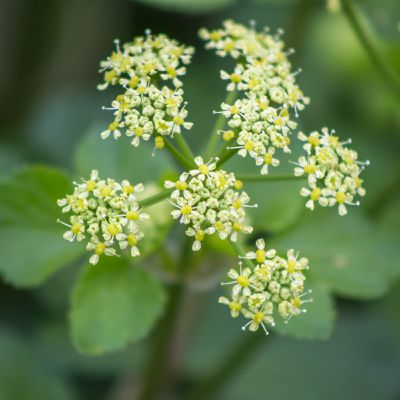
(257, 122)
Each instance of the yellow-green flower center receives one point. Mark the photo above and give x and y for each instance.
(203, 168)
(100, 248)
(185, 210)
(340, 197)
(90, 185)
(112, 229)
(132, 239)
(315, 194)
(310, 168)
(260, 255)
(243, 281)
(132, 215)
(180, 185)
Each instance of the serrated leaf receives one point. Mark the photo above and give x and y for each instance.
(188, 6)
(113, 304)
(31, 242)
(349, 254)
(118, 159)
(317, 322)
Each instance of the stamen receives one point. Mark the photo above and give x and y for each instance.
(63, 223)
(117, 45)
(245, 326)
(265, 329)
(348, 141)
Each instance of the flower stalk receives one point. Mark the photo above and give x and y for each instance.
(353, 16)
(219, 125)
(184, 147)
(177, 155)
(155, 199)
(270, 178)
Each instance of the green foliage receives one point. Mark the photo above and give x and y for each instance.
(279, 203)
(317, 322)
(189, 6)
(349, 254)
(30, 245)
(119, 159)
(113, 304)
(159, 224)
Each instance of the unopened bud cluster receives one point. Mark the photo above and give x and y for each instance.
(208, 201)
(260, 120)
(151, 106)
(274, 286)
(106, 213)
(332, 170)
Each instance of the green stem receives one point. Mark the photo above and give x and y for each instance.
(180, 158)
(355, 21)
(159, 352)
(156, 372)
(241, 253)
(155, 199)
(235, 360)
(182, 144)
(225, 155)
(219, 125)
(272, 178)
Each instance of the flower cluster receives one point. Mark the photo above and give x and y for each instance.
(107, 213)
(152, 105)
(209, 201)
(260, 121)
(332, 170)
(274, 285)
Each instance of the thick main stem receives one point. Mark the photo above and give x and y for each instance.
(157, 366)
(352, 14)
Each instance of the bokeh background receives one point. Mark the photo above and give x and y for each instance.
(49, 56)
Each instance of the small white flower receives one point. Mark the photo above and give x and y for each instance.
(107, 212)
(276, 283)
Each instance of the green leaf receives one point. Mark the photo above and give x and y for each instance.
(317, 322)
(279, 204)
(118, 159)
(352, 256)
(189, 6)
(31, 242)
(159, 223)
(113, 304)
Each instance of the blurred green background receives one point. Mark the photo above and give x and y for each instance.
(51, 113)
